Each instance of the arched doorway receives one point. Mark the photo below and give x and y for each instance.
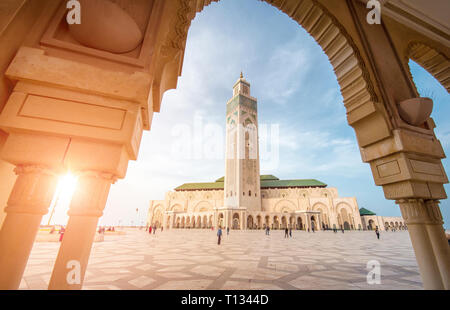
(220, 221)
(299, 223)
(371, 225)
(313, 223)
(267, 221)
(250, 222)
(276, 223)
(258, 222)
(283, 222)
(236, 222)
(346, 225)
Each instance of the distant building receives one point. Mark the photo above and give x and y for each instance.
(370, 221)
(244, 199)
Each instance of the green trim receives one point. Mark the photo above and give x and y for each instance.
(364, 211)
(267, 181)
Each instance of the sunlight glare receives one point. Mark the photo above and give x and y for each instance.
(61, 200)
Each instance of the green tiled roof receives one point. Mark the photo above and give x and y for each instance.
(364, 211)
(265, 177)
(199, 186)
(267, 181)
(292, 183)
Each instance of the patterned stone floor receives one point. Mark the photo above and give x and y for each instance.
(191, 259)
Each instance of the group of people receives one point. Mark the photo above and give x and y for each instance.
(153, 228)
(102, 229)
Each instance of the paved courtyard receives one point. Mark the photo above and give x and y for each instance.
(191, 259)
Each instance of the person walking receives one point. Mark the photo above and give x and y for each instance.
(228, 230)
(150, 230)
(154, 229)
(290, 232)
(286, 232)
(378, 233)
(61, 233)
(268, 230)
(219, 235)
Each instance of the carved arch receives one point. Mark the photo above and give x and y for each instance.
(352, 74)
(436, 63)
(284, 205)
(176, 207)
(203, 206)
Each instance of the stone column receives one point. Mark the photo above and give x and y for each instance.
(85, 209)
(28, 202)
(424, 221)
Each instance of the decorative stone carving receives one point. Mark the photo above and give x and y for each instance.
(105, 26)
(91, 193)
(33, 191)
(415, 111)
(419, 211)
(433, 61)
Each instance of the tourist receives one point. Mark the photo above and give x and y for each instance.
(154, 229)
(268, 230)
(312, 228)
(61, 232)
(290, 232)
(219, 235)
(150, 230)
(162, 228)
(377, 232)
(342, 230)
(228, 230)
(286, 232)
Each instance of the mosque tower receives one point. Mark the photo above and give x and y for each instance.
(242, 179)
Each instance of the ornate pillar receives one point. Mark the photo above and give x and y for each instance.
(85, 209)
(28, 202)
(424, 220)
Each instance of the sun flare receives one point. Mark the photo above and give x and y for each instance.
(61, 200)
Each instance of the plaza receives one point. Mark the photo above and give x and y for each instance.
(76, 98)
(249, 260)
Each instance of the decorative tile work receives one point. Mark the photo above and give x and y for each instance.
(191, 259)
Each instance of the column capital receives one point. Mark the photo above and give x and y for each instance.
(420, 211)
(40, 169)
(33, 190)
(91, 193)
(112, 178)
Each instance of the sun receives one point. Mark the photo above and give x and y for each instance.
(61, 200)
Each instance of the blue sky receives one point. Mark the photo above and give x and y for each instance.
(296, 90)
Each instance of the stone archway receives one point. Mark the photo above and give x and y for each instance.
(436, 63)
(368, 97)
(258, 222)
(220, 220)
(299, 223)
(371, 225)
(249, 222)
(236, 221)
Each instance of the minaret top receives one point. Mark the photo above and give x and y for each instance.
(241, 86)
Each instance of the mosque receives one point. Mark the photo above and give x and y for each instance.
(244, 199)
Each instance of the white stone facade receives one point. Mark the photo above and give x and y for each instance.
(297, 208)
(251, 201)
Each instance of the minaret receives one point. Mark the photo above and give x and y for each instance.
(242, 181)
